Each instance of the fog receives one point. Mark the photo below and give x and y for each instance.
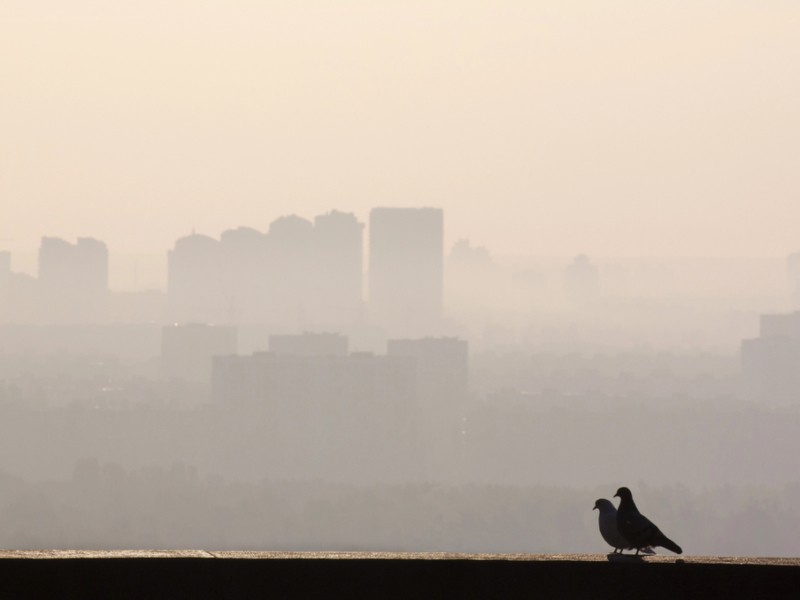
(398, 276)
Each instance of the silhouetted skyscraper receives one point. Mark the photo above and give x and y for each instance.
(299, 275)
(290, 242)
(406, 269)
(244, 272)
(83, 265)
(196, 286)
(336, 291)
(74, 279)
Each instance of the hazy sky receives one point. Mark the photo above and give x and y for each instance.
(620, 127)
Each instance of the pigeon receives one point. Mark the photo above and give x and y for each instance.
(607, 520)
(637, 529)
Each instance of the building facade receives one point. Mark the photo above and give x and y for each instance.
(771, 362)
(406, 266)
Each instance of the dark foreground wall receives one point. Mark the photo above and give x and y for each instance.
(365, 575)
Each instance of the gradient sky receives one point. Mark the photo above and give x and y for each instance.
(622, 127)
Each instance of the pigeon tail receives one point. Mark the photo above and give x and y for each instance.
(667, 543)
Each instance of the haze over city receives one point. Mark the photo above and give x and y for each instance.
(398, 275)
(621, 129)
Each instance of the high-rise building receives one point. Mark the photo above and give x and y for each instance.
(74, 279)
(244, 272)
(336, 290)
(771, 362)
(299, 275)
(290, 262)
(219, 281)
(406, 261)
(783, 325)
(196, 286)
(345, 418)
(302, 385)
(66, 266)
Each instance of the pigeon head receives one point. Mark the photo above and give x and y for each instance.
(624, 493)
(603, 505)
(625, 499)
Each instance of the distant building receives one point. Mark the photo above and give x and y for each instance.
(472, 282)
(196, 285)
(298, 275)
(246, 284)
(187, 350)
(342, 418)
(771, 362)
(83, 265)
(793, 271)
(406, 269)
(336, 290)
(307, 385)
(466, 254)
(290, 270)
(785, 325)
(581, 281)
(309, 344)
(73, 278)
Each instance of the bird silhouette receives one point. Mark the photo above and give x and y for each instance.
(638, 530)
(607, 520)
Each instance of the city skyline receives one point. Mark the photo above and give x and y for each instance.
(399, 274)
(131, 272)
(626, 130)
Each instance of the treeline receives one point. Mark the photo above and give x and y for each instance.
(582, 444)
(104, 506)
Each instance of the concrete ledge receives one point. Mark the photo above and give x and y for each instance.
(207, 574)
